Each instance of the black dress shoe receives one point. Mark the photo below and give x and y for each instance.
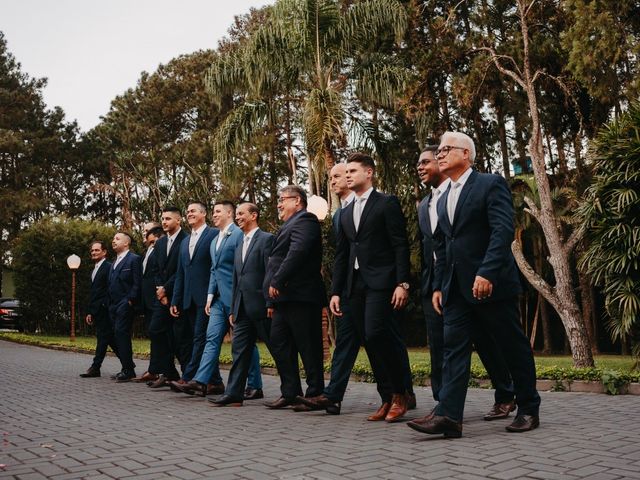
(438, 425)
(321, 402)
(125, 376)
(225, 401)
(253, 394)
(334, 408)
(280, 403)
(411, 401)
(91, 373)
(162, 381)
(524, 423)
(115, 375)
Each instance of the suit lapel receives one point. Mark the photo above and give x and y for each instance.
(254, 239)
(371, 201)
(468, 186)
(119, 267)
(441, 208)
(198, 243)
(346, 220)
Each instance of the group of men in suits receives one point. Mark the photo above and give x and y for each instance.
(270, 287)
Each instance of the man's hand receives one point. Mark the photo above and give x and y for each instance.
(173, 310)
(334, 306)
(207, 308)
(89, 319)
(160, 292)
(482, 288)
(269, 312)
(164, 301)
(436, 301)
(274, 292)
(399, 298)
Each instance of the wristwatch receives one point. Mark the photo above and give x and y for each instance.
(404, 285)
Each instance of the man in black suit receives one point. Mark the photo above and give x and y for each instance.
(476, 282)
(190, 291)
(98, 311)
(125, 278)
(250, 318)
(148, 292)
(161, 334)
(371, 273)
(489, 352)
(293, 283)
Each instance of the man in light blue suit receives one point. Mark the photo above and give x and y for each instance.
(207, 379)
(190, 291)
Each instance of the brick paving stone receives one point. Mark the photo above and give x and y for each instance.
(95, 428)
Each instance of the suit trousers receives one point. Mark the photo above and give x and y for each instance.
(246, 331)
(104, 337)
(375, 320)
(121, 315)
(209, 370)
(197, 321)
(162, 342)
(501, 320)
(296, 327)
(435, 332)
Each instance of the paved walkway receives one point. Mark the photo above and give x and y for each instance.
(56, 425)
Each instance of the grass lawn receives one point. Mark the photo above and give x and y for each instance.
(548, 366)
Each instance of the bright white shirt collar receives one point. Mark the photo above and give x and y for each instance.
(199, 230)
(122, 255)
(365, 195)
(97, 265)
(251, 233)
(347, 200)
(173, 237)
(442, 187)
(464, 177)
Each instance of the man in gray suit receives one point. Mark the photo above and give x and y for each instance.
(250, 315)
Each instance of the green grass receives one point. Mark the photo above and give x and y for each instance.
(547, 366)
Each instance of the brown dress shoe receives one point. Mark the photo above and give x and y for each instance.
(280, 403)
(160, 382)
(380, 414)
(213, 389)
(398, 408)
(146, 377)
(500, 410)
(524, 423)
(438, 425)
(176, 385)
(91, 373)
(422, 421)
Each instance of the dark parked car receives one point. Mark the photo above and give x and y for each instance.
(10, 315)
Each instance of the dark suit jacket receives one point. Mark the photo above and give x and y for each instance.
(99, 295)
(192, 274)
(126, 280)
(295, 261)
(168, 264)
(424, 221)
(248, 277)
(479, 241)
(149, 275)
(380, 244)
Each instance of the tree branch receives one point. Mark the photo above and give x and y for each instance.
(573, 239)
(517, 77)
(536, 281)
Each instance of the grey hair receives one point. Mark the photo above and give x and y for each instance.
(295, 191)
(466, 139)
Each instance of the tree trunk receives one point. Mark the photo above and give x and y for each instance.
(562, 156)
(504, 146)
(586, 300)
(547, 346)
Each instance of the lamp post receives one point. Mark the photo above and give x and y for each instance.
(73, 261)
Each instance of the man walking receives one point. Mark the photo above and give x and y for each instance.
(125, 278)
(98, 311)
(249, 315)
(476, 282)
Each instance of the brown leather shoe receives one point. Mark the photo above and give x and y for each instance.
(146, 377)
(214, 389)
(523, 423)
(91, 373)
(411, 401)
(422, 421)
(398, 408)
(176, 385)
(280, 403)
(160, 382)
(500, 410)
(438, 425)
(381, 413)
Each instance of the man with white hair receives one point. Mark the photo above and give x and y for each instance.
(476, 283)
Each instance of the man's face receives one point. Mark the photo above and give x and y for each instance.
(97, 253)
(288, 204)
(358, 176)
(170, 222)
(428, 169)
(151, 240)
(120, 243)
(246, 220)
(338, 180)
(222, 215)
(453, 157)
(195, 216)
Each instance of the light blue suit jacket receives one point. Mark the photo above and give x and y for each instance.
(222, 259)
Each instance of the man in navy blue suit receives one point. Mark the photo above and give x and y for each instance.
(125, 279)
(437, 182)
(98, 311)
(190, 290)
(476, 282)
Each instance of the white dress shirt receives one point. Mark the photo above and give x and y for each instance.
(358, 208)
(436, 193)
(193, 239)
(119, 258)
(247, 240)
(146, 258)
(454, 193)
(171, 239)
(96, 268)
(221, 236)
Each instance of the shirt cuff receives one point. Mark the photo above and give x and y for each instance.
(209, 297)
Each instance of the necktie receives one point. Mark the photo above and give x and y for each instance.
(192, 243)
(357, 211)
(452, 200)
(245, 246)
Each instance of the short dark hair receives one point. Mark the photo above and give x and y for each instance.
(156, 232)
(296, 191)
(253, 208)
(363, 159)
(103, 245)
(171, 208)
(430, 148)
(226, 203)
(126, 234)
(198, 202)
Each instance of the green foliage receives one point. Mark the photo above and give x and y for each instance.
(42, 277)
(610, 213)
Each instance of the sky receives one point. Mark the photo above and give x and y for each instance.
(93, 50)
